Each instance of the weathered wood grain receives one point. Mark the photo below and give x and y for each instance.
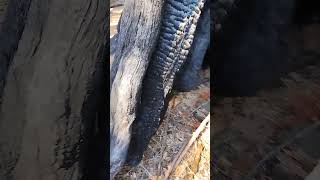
(136, 40)
(50, 97)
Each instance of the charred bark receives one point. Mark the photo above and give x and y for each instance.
(140, 23)
(179, 23)
(188, 77)
(143, 70)
(54, 95)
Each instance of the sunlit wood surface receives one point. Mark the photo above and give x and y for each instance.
(115, 14)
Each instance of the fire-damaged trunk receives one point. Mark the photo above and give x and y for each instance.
(140, 25)
(52, 61)
(175, 40)
(153, 43)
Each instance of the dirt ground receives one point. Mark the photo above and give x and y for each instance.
(187, 110)
(275, 134)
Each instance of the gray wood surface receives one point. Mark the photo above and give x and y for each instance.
(41, 119)
(136, 39)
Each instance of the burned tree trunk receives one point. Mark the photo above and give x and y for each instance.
(140, 24)
(179, 22)
(54, 88)
(153, 42)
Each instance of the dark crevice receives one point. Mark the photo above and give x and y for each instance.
(306, 13)
(39, 41)
(94, 149)
(243, 64)
(10, 35)
(250, 53)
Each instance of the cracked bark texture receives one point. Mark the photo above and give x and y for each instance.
(153, 42)
(188, 77)
(136, 39)
(53, 88)
(176, 36)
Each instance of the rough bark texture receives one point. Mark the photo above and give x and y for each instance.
(139, 89)
(53, 90)
(188, 77)
(179, 23)
(138, 34)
